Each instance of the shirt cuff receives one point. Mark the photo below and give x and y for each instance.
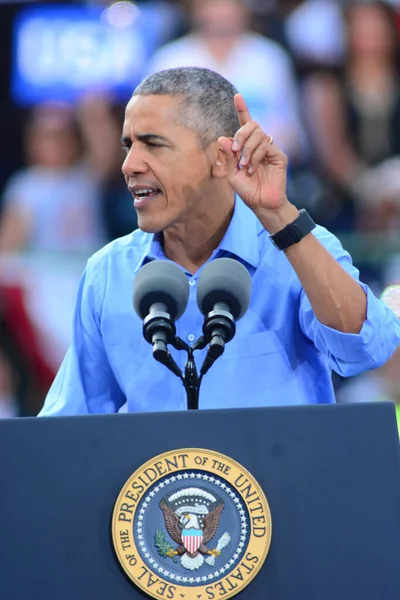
(373, 342)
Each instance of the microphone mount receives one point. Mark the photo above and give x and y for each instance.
(219, 323)
(159, 330)
(218, 329)
(190, 378)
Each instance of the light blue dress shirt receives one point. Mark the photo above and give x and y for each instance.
(281, 354)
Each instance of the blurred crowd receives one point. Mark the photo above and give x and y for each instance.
(321, 76)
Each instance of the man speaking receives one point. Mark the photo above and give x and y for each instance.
(208, 183)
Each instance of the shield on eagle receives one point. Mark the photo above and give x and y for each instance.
(191, 516)
(192, 539)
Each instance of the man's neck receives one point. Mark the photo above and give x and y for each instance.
(192, 246)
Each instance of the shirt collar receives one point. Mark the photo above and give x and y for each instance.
(153, 250)
(240, 239)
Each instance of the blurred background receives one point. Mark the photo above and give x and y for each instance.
(322, 76)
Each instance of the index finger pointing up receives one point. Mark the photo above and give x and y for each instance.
(242, 110)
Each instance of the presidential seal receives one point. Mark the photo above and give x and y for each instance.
(191, 524)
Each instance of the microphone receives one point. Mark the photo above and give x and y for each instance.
(160, 297)
(223, 297)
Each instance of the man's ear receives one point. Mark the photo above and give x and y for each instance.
(219, 166)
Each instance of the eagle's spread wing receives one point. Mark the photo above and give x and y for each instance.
(211, 522)
(171, 523)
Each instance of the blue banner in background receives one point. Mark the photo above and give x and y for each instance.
(62, 52)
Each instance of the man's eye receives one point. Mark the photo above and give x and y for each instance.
(151, 145)
(125, 149)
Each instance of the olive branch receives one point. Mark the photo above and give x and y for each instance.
(164, 548)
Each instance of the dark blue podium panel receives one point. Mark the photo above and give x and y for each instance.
(331, 475)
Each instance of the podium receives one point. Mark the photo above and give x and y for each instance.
(331, 475)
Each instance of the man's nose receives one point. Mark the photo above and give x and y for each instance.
(134, 163)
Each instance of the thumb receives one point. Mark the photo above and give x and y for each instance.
(231, 157)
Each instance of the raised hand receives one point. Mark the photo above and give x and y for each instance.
(257, 168)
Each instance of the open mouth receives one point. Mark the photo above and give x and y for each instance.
(143, 194)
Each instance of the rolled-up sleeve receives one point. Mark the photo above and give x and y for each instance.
(350, 354)
(85, 382)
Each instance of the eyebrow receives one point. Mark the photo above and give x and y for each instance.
(145, 137)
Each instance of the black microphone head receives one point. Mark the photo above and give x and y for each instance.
(160, 281)
(224, 280)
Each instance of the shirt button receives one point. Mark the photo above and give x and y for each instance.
(192, 282)
(191, 337)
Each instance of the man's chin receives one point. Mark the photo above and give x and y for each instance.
(149, 227)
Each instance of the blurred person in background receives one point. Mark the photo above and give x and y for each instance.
(54, 204)
(221, 40)
(354, 119)
(100, 124)
(65, 202)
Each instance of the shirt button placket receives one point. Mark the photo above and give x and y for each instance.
(191, 337)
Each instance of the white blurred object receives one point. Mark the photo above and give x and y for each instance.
(379, 183)
(316, 32)
(121, 14)
(391, 297)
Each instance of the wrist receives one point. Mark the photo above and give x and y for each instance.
(276, 219)
(294, 232)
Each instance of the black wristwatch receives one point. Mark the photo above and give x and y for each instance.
(294, 232)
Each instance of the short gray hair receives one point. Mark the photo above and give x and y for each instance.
(207, 105)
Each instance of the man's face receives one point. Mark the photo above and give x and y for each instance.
(166, 169)
(219, 18)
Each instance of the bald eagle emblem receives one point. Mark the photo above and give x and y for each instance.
(191, 517)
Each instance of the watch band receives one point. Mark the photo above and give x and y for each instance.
(293, 232)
